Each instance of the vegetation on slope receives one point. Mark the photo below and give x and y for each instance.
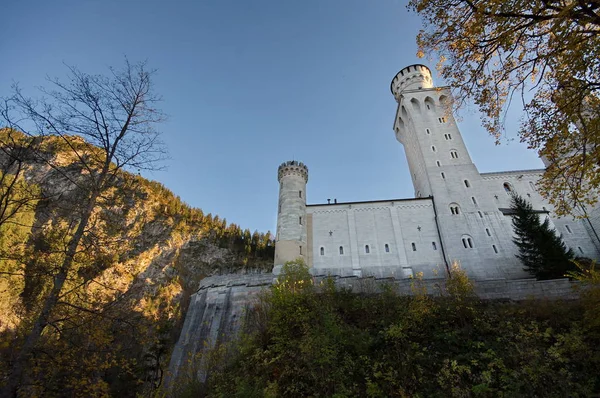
(306, 340)
(121, 309)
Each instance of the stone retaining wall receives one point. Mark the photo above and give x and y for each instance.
(218, 308)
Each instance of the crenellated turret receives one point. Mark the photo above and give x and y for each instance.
(414, 77)
(291, 236)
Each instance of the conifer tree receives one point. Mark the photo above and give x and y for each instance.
(541, 250)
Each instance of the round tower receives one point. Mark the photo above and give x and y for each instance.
(291, 216)
(413, 77)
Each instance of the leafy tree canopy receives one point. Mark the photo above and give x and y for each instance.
(547, 54)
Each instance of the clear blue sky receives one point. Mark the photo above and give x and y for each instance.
(248, 85)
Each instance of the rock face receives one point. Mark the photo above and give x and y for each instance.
(218, 308)
(215, 314)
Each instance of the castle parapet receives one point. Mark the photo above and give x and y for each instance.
(292, 167)
(412, 77)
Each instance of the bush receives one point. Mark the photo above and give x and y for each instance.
(320, 341)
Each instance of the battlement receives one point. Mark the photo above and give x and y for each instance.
(292, 167)
(411, 78)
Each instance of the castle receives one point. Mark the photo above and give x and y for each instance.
(457, 214)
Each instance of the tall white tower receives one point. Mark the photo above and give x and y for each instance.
(291, 216)
(441, 166)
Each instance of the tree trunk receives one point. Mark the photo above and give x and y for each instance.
(14, 379)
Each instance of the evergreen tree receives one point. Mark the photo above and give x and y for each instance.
(541, 250)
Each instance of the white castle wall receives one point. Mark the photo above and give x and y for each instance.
(354, 226)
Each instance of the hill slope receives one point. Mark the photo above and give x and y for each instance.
(145, 253)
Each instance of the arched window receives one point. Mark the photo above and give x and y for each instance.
(467, 184)
(467, 242)
(299, 194)
(429, 103)
(480, 214)
(433, 148)
(433, 246)
(438, 163)
(367, 249)
(580, 249)
(428, 131)
(322, 251)
(341, 250)
(495, 249)
(443, 176)
(507, 187)
(414, 246)
(454, 209)
(387, 248)
(454, 154)
(487, 231)
(532, 186)
(415, 105)
(568, 229)
(474, 200)
(300, 220)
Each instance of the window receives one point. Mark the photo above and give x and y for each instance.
(447, 136)
(299, 194)
(341, 250)
(443, 176)
(487, 231)
(433, 246)
(480, 214)
(467, 184)
(367, 249)
(568, 229)
(427, 130)
(495, 249)
(442, 119)
(414, 246)
(532, 186)
(300, 250)
(300, 220)
(438, 163)
(454, 154)
(454, 209)
(433, 148)
(322, 251)
(507, 187)
(580, 249)
(474, 200)
(387, 248)
(467, 242)
(428, 107)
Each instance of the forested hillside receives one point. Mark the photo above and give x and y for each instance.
(120, 310)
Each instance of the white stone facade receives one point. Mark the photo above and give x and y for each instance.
(457, 213)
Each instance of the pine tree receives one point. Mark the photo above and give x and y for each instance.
(541, 250)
